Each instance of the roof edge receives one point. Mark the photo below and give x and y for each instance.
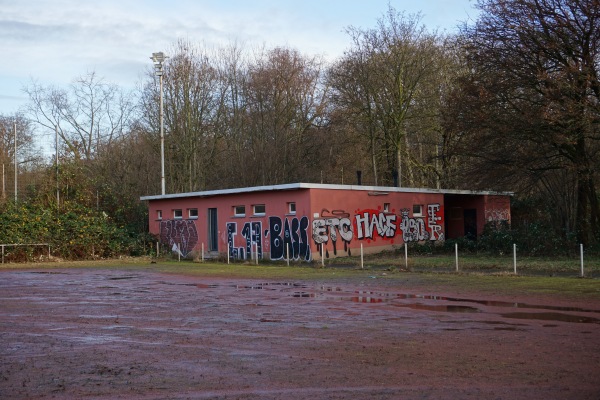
(295, 186)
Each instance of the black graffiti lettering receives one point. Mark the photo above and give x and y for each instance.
(304, 246)
(294, 240)
(275, 228)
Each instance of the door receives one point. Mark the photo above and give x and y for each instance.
(213, 231)
(470, 215)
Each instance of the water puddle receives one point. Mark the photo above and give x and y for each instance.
(553, 317)
(271, 286)
(120, 278)
(440, 303)
(43, 272)
(441, 308)
(387, 297)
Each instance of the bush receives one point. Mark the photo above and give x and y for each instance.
(73, 231)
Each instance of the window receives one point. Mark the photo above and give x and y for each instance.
(177, 214)
(291, 208)
(158, 214)
(239, 211)
(386, 207)
(193, 213)
(259, 209)
(417, 210)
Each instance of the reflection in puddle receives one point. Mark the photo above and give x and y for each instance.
(444, 308)
(374, 297)
(271, 286)
(491, 303)
(120, 278)
(553, 317)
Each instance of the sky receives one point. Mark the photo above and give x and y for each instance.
(52, 42)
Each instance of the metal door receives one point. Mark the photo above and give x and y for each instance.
(213, 231)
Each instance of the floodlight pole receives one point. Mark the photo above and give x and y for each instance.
(158, 59)
(57, 180)
(16, 165)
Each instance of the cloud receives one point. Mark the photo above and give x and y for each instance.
(55, 41)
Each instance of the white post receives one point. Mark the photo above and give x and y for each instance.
(287, 246)
(2, 254)
(228, 252)
(362, 264)
(323, 255)
(406, 255)
(456, 255)
(581, 257)
(515, 257)
(202, 251)
(178, 252)
(256, 252)
(157, 249)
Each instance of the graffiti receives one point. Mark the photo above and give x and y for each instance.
(369, 222)
(332, 225)
(332, 229)
(286, 237)
(418, 229)
(251, 232)
(433, 219)
(497, 215)
(180, 235)
(413, 229)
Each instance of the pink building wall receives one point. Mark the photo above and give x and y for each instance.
(326, 220)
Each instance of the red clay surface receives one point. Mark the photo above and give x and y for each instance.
(110, 334)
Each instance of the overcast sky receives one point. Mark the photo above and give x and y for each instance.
(55, 41)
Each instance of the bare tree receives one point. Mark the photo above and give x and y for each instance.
(385, 83)
(529, 109)
(285, 106)
(88, 115)
(28, 158)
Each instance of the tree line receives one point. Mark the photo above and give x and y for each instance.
(510, 103)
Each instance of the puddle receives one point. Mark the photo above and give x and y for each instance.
(304, 294)
(441, 307)
(374, 297)
(44, 272)
(553, 317)
(271, 286)
(491, 303)
(120, 278)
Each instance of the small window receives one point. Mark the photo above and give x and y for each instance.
(291, 208)
(239, 211)
(386, 207)
(417, 210)
(259, 209)
(177, 214)
(159, 214)
(193, 213)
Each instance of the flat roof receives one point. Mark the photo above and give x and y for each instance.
(298, 186)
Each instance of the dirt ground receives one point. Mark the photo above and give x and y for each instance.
(127, 334)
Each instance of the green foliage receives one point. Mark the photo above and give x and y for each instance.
(73, 231)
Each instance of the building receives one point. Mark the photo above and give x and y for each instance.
(311, 220)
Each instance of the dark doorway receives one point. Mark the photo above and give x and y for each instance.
(213, 231)
(470, 218)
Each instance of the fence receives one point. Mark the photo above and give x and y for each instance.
(3, 246)
(412, 259)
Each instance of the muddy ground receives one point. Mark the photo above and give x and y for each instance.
(139, 334)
